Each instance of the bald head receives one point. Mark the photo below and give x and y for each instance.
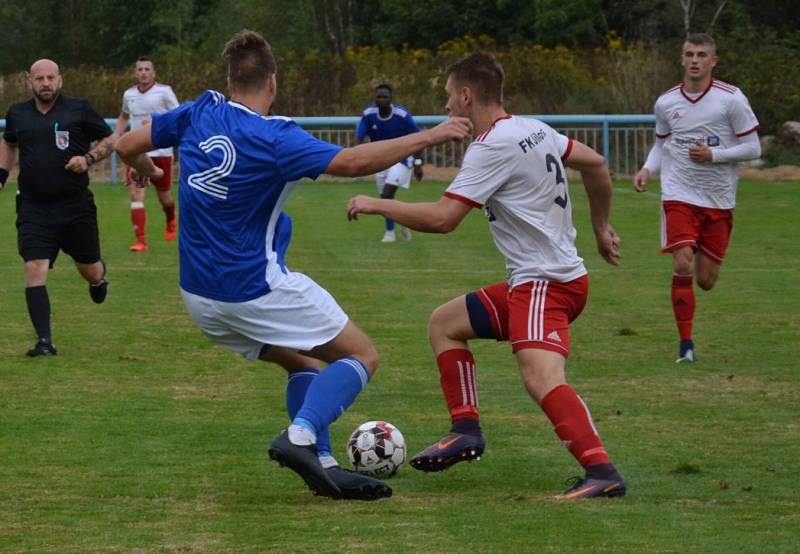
(45, 81)
(44, 65)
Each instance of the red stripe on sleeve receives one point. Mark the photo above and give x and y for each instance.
(463, 199)
(753, 130)
(567, 151)
(662, 136)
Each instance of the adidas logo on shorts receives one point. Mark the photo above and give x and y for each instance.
(554, 336)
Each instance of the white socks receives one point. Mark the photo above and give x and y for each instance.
(301, 436)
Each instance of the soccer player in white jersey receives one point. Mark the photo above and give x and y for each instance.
(139, 103)
(514, 169)
(238, 167)
(703, 128)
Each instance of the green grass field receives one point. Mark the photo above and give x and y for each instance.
(142, 436)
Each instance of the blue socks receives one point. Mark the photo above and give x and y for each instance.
(330, 393)
(389, 224)
(296, 388)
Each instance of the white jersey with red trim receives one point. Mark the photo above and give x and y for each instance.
(515, 171)
(141, 106)
(716, 118)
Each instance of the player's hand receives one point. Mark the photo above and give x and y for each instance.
(360, 204)
(453, 128)
(700, 153)
(418, 172)
(608, 244)
(141, 181)
(640, 180)
(77, 164)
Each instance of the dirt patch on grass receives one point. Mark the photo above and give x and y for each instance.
(779, 173)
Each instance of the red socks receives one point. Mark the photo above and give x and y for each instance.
(457, 377)
(139, 220)
(683, 304)
(574, 426)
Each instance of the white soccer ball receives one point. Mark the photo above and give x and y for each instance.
(376, 448)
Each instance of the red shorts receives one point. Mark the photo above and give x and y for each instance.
(535, 314)
(163, 184)
(705, 229)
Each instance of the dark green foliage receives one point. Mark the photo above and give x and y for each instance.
(565, 56)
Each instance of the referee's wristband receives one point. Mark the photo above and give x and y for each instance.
(90, 160)
(3, 176)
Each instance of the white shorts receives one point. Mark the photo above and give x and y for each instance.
(398, 175)
(298, 314)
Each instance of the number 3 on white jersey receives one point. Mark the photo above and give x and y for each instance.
(551, 161)
(207, 181)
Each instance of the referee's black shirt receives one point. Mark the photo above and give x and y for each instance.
(46, 143)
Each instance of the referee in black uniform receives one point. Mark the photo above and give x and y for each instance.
(52, 134)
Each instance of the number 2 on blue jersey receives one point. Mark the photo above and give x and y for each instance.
(208, 181)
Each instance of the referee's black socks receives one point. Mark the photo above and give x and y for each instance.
(39, 310)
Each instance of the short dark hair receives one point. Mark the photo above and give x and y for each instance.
(482, 73)
(384, 86)
(699, 39)
(249, 60)
(143, 59)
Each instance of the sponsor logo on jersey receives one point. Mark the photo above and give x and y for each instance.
(62, 138)
(712, 141)
(676, 115)
(530, 142)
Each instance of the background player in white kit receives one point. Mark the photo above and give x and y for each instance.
(703, 128)
(515, 169)
(139, 103)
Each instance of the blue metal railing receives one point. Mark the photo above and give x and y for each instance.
(429, 120)
(340, 129)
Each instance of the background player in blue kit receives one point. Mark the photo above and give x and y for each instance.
(382, 121)
(238, 168)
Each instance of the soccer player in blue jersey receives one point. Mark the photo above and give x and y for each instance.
(238, 167)
(382, 121)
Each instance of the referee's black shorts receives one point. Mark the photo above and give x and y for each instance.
(69, 225)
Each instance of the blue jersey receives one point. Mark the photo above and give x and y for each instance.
(399, 124)
(237, 170)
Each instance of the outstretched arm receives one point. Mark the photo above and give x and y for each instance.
(429, 217)
(372, 157)
(597, 183)
(133, 148)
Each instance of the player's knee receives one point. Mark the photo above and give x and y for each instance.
(440, 325)
(369, 357)
(36, 273)
(683, 266)
(683, 261)
(437, 321)
(706, 282)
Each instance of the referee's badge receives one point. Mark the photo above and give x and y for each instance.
(62, 138)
